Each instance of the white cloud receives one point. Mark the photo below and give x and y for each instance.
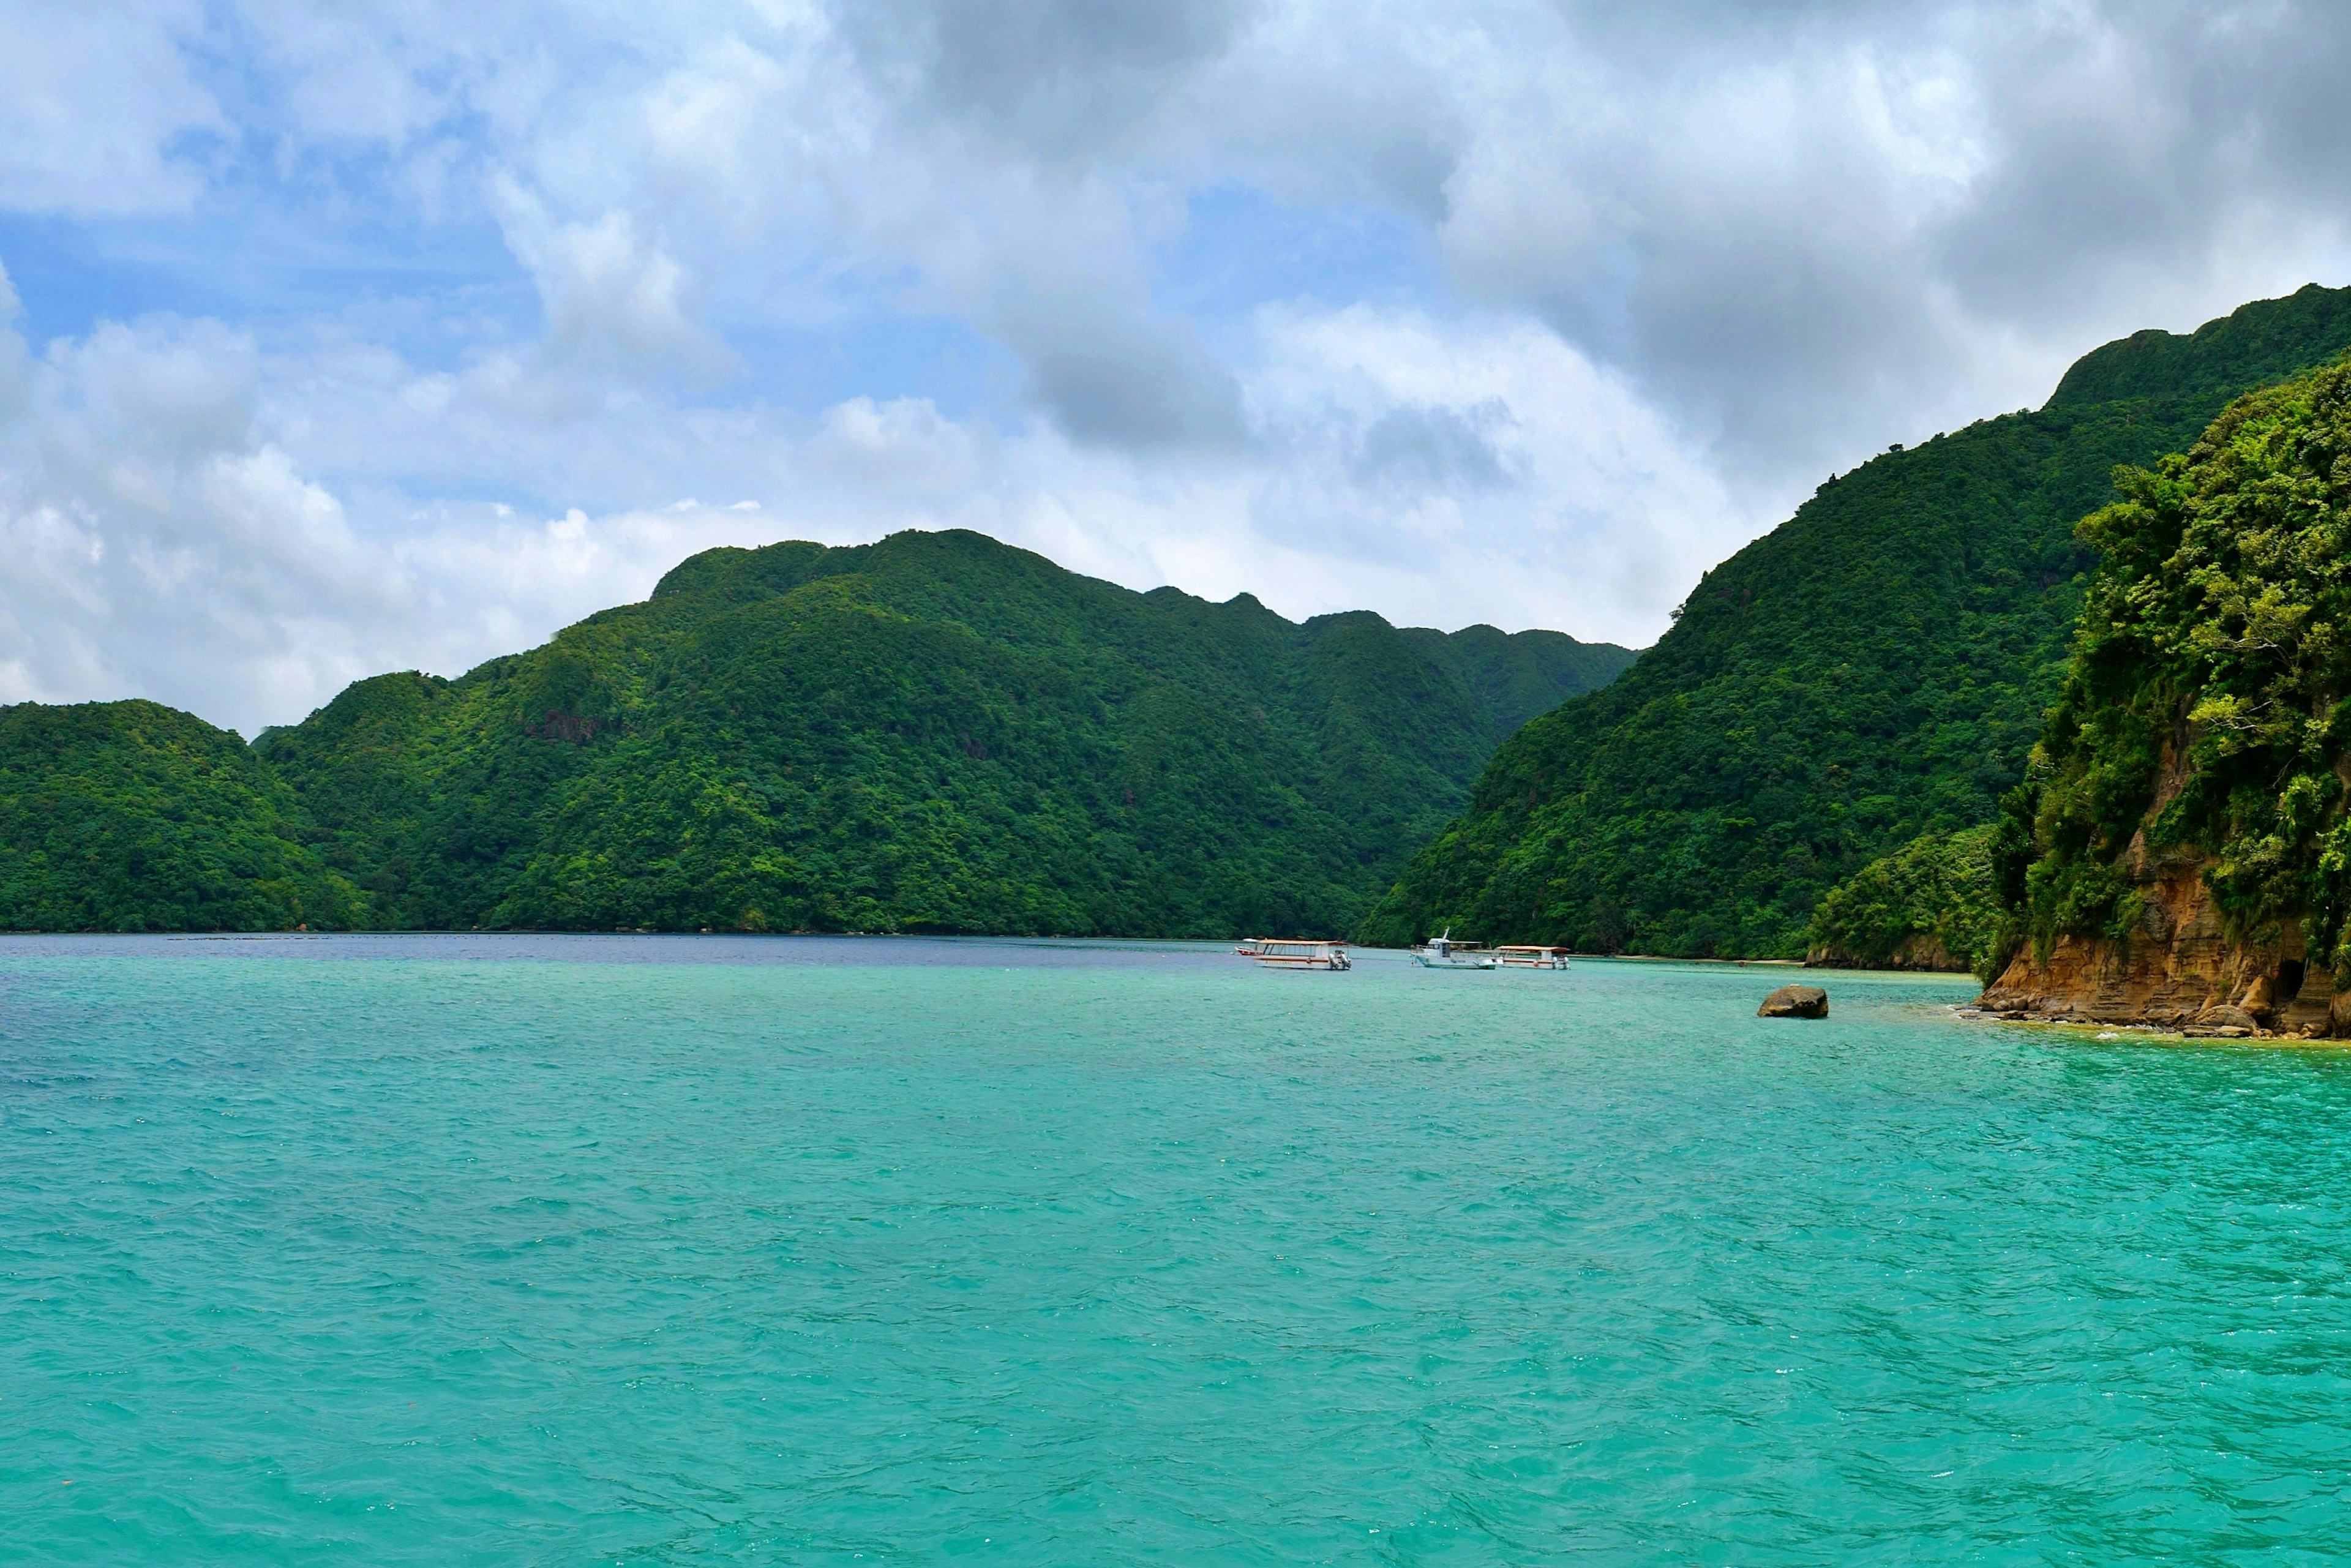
(1662, 266)
(15, 361)
(186, 532)
(617, 303)
(1489, 462)
(159, 546)
(92, 103)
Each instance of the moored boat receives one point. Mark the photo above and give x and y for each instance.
(1445, 953)
(1284, 953)
(1520, 956)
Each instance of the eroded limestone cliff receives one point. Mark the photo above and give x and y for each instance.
(2179, 966)
(2178, 969)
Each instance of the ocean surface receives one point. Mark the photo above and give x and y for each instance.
(667, 1250)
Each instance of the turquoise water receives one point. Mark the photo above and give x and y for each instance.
(647, 1251)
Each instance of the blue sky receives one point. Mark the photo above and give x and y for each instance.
(400, 334)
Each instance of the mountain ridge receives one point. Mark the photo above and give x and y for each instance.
(933, 732)
(134, 816)
(1871, 671)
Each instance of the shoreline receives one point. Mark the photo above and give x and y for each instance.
(2152, 1033)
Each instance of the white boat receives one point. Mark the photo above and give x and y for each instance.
(1445, 953)
(1525, 958)
(1283, 953)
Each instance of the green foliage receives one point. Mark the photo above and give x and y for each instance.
(2260, 344)
(131, 816)
(935, 733)
(2205, 704)
(1930, 904)
(1874, 670)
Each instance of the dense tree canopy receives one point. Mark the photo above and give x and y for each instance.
(2214, 651)
(1875, 669)
(1930, 904)
(132, 816)
(935, 733)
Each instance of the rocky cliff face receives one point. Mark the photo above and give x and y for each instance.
(2179, 967)
(2205, 693)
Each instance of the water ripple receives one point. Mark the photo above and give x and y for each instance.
(502, 1251)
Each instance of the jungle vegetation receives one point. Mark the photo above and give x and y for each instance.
(1874, 670)
(1930, 904)
(2208, 700)
(132, 816)
(935, 732)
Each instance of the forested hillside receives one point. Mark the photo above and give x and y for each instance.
(1932, 903)
(132, 816)
(933, 733)
(1873, 670)
(2204, 721)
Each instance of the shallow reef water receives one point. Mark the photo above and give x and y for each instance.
(672, 1250)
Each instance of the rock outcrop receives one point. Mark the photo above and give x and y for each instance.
(2203, 709)
(1795, 1002)
(2178, 968)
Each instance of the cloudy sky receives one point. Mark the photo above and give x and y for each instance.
(337, 338)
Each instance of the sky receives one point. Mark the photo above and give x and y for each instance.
(387, 334)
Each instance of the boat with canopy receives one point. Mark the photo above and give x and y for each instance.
(1286, 953)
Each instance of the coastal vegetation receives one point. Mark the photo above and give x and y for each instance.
(935, 732)
(2206, 712)
(1930, 904)
(1874, 671)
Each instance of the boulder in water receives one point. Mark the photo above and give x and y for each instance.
(1795, 1002)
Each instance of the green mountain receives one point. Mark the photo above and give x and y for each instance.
(1873, 670)
(2205, 718)
(933, 733)
(131, 816)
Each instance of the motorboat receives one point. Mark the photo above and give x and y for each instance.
(1531, 957)
(1445, 953)
(1285, 953)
